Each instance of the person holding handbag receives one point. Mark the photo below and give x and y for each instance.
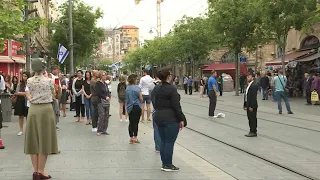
(103, 95)
(280, 82)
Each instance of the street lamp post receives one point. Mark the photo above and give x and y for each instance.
(71, 37)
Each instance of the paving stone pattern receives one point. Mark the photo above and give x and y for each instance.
(88, 157)
(232, 128)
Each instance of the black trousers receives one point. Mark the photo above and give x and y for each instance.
(95, 114)
(185, 86)
(252, 117)
(212, 103)
(134, 118)
(241, 88)
(308, 96)
(79, 107)
(196, 86)
(190, 90)
(205, 89)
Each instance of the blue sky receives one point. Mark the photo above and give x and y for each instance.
(125, 12)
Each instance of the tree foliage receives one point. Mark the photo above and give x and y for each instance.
(191, 38)
(238, 25)
(279, 17)
(86, 34)
(11, 20)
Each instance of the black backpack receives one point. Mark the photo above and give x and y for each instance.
(122, 91)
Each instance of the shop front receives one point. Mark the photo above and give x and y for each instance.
(12, 59)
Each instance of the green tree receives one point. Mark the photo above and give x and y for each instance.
(11, 20)
(194, 38)
(279, 17)
(236, 24)
(86, 34)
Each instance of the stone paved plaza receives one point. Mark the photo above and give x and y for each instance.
(207, 149)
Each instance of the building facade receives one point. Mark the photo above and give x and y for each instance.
(110, 48)
(39, 40)
(129, 38)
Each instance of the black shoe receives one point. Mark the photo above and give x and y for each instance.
(263, 99)
(170, 169)
(308, 104)
(280, 112)
(290, 112)
(251, 135)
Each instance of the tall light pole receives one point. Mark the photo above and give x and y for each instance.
(27, 12)
(71, 38)
(158, 15)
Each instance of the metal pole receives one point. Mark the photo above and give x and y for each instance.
(159, 17)
(27, 41)
(114, 46)
(71, 38)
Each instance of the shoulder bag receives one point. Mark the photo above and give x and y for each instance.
(104, 102)
(286, 90)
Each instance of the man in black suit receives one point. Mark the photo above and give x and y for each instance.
(307, 87)
(251, 104)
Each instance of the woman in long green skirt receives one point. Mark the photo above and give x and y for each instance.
(41, 134)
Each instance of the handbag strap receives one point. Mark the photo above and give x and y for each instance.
(281, 82)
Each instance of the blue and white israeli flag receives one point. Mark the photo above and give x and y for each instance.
(115, 66)
(62, 53)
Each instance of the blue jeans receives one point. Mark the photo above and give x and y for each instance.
(156, 136)
(279, 95)
(265, 93)
(168, 133)
(88, 107)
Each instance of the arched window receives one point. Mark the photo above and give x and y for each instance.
(310, 42)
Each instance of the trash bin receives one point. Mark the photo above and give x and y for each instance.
(6, 107)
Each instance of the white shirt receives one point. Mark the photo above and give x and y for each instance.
(145, 83)
(27, 90)
(2, 83)
(248, 87)
(109, 85)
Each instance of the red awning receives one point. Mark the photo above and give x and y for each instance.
(226, 67)
(288, 57)
(6, 59)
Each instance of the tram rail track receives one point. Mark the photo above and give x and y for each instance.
(289, 169)
(260, 111)
(264, 119)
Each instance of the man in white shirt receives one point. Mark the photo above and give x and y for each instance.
(2, 83)
(144, 84)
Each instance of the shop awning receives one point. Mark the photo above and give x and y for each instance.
(6, 59)
(288, 57)
(308, 58)
(19, 60)
(226, 67)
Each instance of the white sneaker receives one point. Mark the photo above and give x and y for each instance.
(127, 120)
(94, 129)
(20, 133)
(121, 120)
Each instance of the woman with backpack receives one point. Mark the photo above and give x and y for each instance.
(121, 90)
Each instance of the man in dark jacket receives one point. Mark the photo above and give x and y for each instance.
(264, 81)
(307, 86)
(251, 104)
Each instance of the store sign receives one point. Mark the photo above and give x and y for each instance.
(17, 50)
(4, 51)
